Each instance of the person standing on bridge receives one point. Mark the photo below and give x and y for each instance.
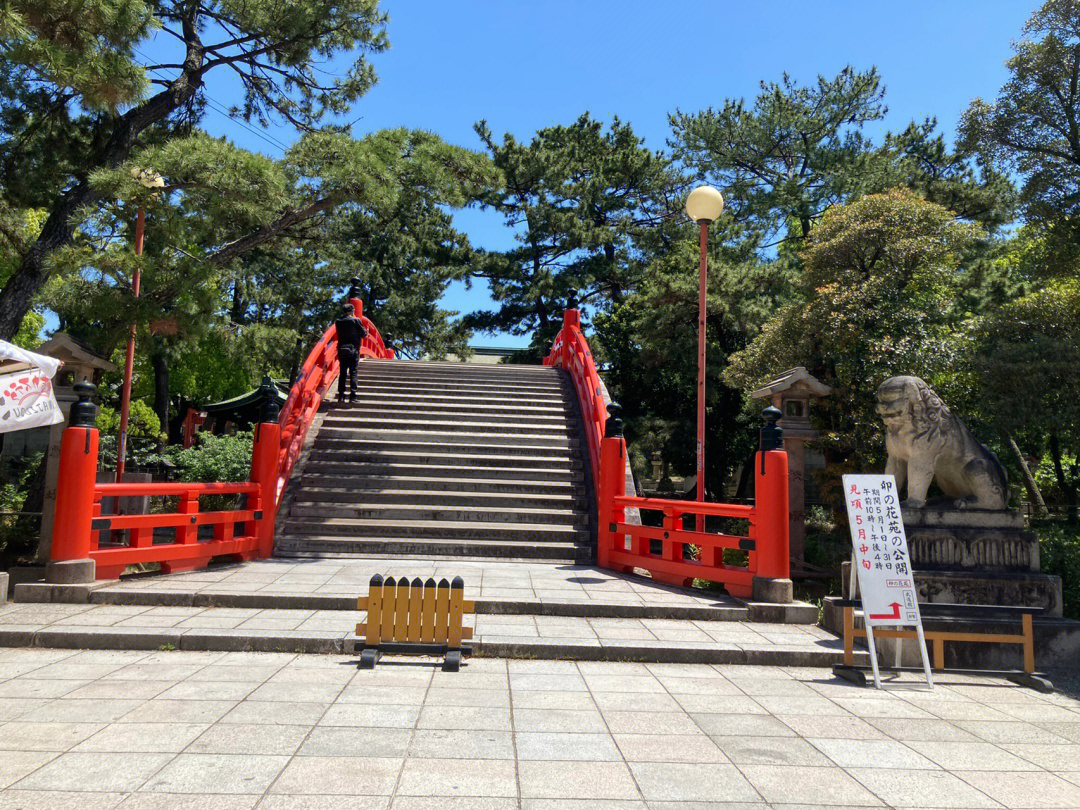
(350, 331)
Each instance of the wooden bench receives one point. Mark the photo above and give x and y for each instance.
(936, 639)
(422, 618)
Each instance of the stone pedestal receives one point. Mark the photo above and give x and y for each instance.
(978, 557)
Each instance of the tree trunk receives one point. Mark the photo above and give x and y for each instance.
(161, 387)
(1068, 490)
(237, 313)
(1029, 480)
(33, 271)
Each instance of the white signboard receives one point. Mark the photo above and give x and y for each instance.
(881, 562)
(27, 401)
(880, 550)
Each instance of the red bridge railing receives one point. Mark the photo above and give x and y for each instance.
(670, 552)
(82, 532)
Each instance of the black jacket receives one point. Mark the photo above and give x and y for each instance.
(350, 331)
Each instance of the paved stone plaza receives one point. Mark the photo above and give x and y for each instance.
(104, 729)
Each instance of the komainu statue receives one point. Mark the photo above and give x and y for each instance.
(927, 443)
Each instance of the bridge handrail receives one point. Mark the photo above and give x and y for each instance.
(314, 379)
(684, 554)
(82, 532)
(570, 352)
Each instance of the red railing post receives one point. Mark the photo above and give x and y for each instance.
(772, 581)
(76, 478)
(571, 321)
(265, 456)
(611, 484)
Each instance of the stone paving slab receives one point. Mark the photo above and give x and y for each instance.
(150, 730)
(148, 627)
(497, 586)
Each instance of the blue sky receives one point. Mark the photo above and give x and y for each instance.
(523, 66)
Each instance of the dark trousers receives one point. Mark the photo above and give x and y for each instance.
(348, 361)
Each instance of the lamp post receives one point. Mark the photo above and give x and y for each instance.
(703, 205)
(152, 180)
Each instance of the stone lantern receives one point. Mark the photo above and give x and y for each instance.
(792, 392)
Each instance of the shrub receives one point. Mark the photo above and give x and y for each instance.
(1059, 547)
(213, 458)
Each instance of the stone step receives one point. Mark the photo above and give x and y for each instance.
(484, 645)
(416, 511)
(483, 445)
(144, 593)
(532, 368)
(426, 483)
(432, 547)
(434, 529)
(313, 494)
(390, 394)
(342, 432)
(440, 391)
(570, 641)
(493, 406)
(459, 472)
(463, 371)
(430, 456)
(495, 418)
(424, 424)
(438, 384)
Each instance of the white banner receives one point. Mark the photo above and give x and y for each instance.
(881, 553)
(27, 401)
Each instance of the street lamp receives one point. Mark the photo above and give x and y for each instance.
(152, 180)
(703, 205)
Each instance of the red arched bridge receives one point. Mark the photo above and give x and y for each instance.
(439, 460)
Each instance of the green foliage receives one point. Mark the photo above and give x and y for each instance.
(142, 421)
(1047, 480)
(1027, 354)
(874, 301)
(1031, 128)
(17, 536)
(787, 158)
(649, 343)
(78, 112)
(581, 199)
(1059, 551)
(214, 458)
(827, 544)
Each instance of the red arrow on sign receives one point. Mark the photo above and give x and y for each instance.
(894, 615)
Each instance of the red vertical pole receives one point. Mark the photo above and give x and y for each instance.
(612, 484)
(571, 321)
(771, 514)
(265, 453)
(129, 361)
(702, 275)
(76, 478)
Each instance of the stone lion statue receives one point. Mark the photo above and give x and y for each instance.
(927, 443)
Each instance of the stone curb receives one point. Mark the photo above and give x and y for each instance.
(600, 610)
(196, 639)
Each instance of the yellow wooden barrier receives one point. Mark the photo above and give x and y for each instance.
(414, 617)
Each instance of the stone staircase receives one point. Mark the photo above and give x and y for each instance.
(440, 460)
